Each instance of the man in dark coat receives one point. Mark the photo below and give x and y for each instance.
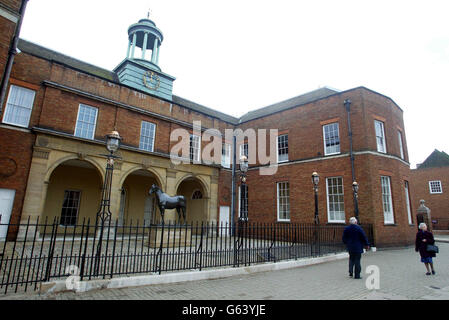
(355, 239)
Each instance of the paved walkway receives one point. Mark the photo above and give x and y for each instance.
(402, 276)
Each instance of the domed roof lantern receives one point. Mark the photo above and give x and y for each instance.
(146, 36)
(140, 70)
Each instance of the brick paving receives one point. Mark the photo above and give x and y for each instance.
(402, 276)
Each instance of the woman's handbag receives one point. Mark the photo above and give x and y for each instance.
(432, 248)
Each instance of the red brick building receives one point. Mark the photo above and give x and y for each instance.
(429, 182)
(58, 110)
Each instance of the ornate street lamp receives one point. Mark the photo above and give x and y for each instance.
(243, 168)
(355, 188)
(113, 141)
(243, 171)
(315, 180)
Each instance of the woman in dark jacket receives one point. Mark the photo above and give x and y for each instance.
(423, 238)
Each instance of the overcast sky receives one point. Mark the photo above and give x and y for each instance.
(237, 56)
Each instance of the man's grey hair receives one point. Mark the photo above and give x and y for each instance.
(352, 220)
(422, 225)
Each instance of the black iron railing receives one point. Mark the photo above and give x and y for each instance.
(45, 250)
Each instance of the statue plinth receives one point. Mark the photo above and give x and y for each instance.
(171, 236)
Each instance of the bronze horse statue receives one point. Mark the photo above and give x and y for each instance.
(164, 201)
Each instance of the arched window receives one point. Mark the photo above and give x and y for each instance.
(197, 194)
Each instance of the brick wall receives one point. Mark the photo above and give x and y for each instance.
(57, 109)
(438, 203)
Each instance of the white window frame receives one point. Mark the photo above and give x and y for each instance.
(226, 158)
(384, 142)
(436, 184)
(326, 153)
(277, 148)
(77, 208)
(142, 144)
(407, 202)
(335, 195)
(9, 106)
(401, 148)
(240, 203)
(78, 121)
(198, 154)
(242, 150)
(385, 182)
(278, 202)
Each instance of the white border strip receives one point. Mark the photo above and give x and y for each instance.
(114, 283)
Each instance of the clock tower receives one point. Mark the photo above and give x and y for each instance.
(140, 68)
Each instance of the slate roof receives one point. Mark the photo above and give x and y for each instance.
(50, 55)
(435, 160)
(289, 103)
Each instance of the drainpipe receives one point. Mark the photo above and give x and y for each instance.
(234, 162)
(347, 104)
(12, 52)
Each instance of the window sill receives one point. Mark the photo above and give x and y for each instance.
(284, 221)
(14, 127)
(390, 225)
(331, 154)
(336, 223)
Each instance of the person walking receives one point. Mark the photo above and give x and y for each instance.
(423, 238)
(355, 239)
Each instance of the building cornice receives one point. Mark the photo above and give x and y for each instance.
(341, 155)
(8, 13)
(122, 147)
(120, 104)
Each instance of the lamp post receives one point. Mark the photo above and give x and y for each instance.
(355, 188)
(315, 180)
(113, 141)
(243, 171)
(240, 225)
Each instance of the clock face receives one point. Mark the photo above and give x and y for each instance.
(151, 80)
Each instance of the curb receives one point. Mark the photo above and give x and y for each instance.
(136, 281)
(441, 240)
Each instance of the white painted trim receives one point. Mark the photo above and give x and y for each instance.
(135, 281)
(277, 148)
(324, 138)
(374, 153)
(407, 202)
(7, 106)
(327, 200)
(430, 187)
(154, 135)
(390, 199)
(277, 200)
(95, 122)
(14, 127)
(383, 136)
(401, 147)
(7, 15)
(226, 164)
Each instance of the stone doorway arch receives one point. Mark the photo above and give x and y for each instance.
(136, 204)
(73, 193)
(195, 192)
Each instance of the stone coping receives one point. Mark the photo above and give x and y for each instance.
(143, 280)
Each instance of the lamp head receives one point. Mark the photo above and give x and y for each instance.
(355, 186)
(315, 178)
(113, 141)
(243, 164)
